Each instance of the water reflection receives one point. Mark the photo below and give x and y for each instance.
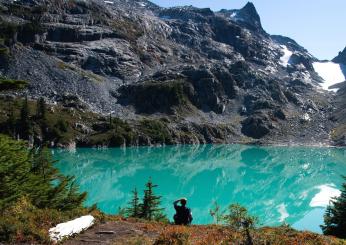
(275, 183)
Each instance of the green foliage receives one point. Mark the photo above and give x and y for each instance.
(32, 174)
(15, 168)
(114, 133)
(152, 97)
(134, 205)
(34, 195)
(24, 223)
(335, 216)
(149, 208)
(25, 125)
(11, 84)
(41, 109)
(7, 31)
(11, 122)
(238, 218)
(156, 130)
(121, 211)
(61, 125)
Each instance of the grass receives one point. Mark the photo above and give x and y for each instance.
(127, 29)
(215, 234)
(90, 75)
(12, 84)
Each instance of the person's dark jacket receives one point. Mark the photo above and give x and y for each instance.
(183, 215)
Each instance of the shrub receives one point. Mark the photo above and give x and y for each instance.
(238, 218)
(173, 236)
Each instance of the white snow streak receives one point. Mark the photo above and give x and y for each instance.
(286, 57)
(283, 212)
(71, 227)
(330, 72)
(322, 198)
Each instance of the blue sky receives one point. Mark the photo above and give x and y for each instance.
(318, 25)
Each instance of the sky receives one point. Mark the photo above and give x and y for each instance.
(317, 25)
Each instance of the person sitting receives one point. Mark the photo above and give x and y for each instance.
(183, 215)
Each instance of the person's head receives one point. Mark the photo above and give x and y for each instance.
(183, 201)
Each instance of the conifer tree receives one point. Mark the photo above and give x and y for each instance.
(63, 195)
(150, 208)
(14, 169)
(11, 122)
(134, 209)
(335, 216)
(41, 108)
(25, 124)
(32, 174)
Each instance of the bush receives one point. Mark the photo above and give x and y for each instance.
(173, 236)
(238, 218)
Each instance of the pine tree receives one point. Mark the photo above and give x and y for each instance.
(134, 206)
(11, 123)
(63, 195)
(31, 174)
(150, 208)
(14, 169)
(41, 109)
(25, 123)
(335, 216)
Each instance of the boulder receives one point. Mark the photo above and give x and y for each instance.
(256, 126)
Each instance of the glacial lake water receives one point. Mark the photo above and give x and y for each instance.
(277, 184)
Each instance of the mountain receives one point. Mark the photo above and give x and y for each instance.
(341, 58)
(200, 76)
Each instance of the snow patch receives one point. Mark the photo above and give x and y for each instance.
(109, 2)
(71, 227)
(321, 199)
(305, 117)
(331, 73)
(285, 59)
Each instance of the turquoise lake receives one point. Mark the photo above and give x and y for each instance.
(277, 184)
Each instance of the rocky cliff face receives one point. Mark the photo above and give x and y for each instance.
(341, 58)
(215, 76)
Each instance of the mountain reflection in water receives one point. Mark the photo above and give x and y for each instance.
(277, 184)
